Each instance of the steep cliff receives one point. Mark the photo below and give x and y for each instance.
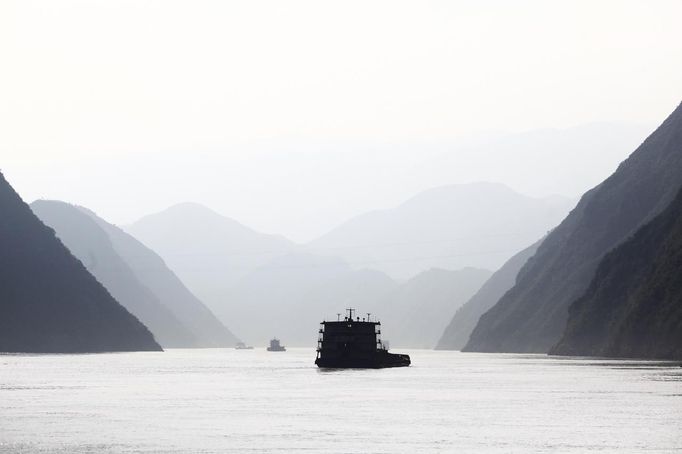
(49, 302)
(531, 317)
(633, 307)
(92, 246)
(459, 329)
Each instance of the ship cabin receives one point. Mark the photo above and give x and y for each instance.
(351, 336)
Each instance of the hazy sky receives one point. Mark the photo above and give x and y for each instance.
(292, 115)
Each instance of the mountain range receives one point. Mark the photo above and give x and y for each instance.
(49, 302)
(477, 225)
(209, 252)
(463, 323)
(379, 262)
(417, 311)
(450, 227)
(135, 276)
(289, 296)
(604, 282)
(532, 315)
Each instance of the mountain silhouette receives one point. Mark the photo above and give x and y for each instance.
(415, 314)
(136, 276)
(463, 323)
(289, 296)
(151, 270)
(88, 242)
(633, 307)
(450, 227)
(532, 316)
(209, 252)
(49, 302)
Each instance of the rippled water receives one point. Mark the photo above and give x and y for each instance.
(220, 401)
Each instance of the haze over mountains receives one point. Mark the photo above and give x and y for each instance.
(91, 245)
(466, 318)
(417, 312)
(289, 296)
(414, 267)
(541, 161)
(424, 268)
(532, 316)
(305, 188)
(450, 227)
(49, 302)
(209, 252)
(135, 276)
(397, 157)
(153, 272)
(295, 292)
(405, 264)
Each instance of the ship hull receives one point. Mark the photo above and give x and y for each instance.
(378, 361)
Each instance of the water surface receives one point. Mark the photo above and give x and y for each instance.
(252, 401)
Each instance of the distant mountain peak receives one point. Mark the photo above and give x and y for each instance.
(135, 276)
(197, 212)
(478, 224)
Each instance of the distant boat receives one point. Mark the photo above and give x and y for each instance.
(275, 346)
(242, 346)
(352, 343)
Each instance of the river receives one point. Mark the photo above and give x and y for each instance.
(253, 401)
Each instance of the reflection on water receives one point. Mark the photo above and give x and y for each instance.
(214, 401)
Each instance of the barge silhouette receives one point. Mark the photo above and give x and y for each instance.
(355, 343)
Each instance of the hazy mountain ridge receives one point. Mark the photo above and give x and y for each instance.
(209, 252)
(292, 294)
(450, 227)
(152, 271)
(417, 312)
(633, 307)
(310, 281)
(136, 276)
(50, 303)
(531, 317)
(288, 297)
(457, 333)
(88, 242)
(541, 156)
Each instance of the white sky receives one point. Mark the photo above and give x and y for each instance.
(286, 114)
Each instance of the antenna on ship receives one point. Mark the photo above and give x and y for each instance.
(368, 314)
(350, 313)
(338, 317)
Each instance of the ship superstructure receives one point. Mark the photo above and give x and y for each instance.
(275, 346)
(355, 343)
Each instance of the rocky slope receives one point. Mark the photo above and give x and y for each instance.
(459, 329)
(633, 307)
(417, 311)
(92, 246)
(152, 272)
(531, 316)
(49, 302)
